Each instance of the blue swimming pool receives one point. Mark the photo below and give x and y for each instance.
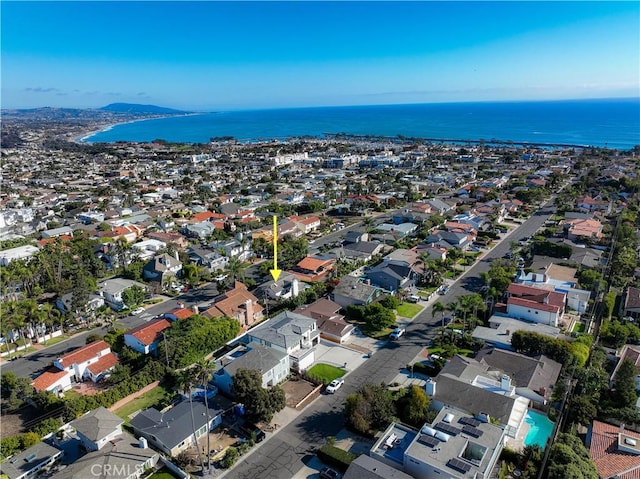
(540, 428)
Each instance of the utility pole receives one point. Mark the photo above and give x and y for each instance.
(166, 351)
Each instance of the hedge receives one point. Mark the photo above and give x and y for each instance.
(334, 456)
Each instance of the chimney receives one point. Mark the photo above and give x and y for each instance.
(142, 443)
(175, 255)
(430, 387)
(505, 383)
(195, 309)
(248, 304)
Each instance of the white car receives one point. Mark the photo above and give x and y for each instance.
(137, 311)
(396, 333)
(334, 385)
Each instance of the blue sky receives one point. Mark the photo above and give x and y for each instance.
(245, 55)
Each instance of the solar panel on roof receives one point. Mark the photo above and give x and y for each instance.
(428, 440)
(448, 428)
(469, 421)
(459, 465)
(472, 431)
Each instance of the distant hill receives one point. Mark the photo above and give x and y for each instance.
(137, 109)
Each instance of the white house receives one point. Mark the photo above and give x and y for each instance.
(111, 290)
(291, 333)
(21, 252)
(146, 337)
(534, 304)
(272, 364)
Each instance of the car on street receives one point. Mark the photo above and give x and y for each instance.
(328, 473)
(334, 385)
(137, 311)
(397, 333)
(444, 290)
(253, 431)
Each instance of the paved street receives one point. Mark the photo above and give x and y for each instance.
(294, 445)
(32, 364)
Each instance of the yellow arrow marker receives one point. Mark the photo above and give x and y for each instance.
(275, 272)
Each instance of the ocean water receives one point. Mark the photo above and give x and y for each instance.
(613, 123)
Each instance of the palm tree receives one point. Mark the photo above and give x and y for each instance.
(203, 371)
(185, 380)
(236, 268)
(439, 307)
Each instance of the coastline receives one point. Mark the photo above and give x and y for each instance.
(85, 135)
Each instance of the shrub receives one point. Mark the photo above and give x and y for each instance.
(230, 458)
(334, 456)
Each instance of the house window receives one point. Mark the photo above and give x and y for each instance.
(536, 312)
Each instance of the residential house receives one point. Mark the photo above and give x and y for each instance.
(354, 236)
(561, 279)
(476, 387)
(455, 445)
(313, 268)
(97, 427)
(533, 377)
(162, 268)
(237, 303)
(233, 249)
(286, 287)
(614, 450)
(331, 324)
(212, 260)
(450, 239)
(470, 219)
(402, 230)
(31, 462)
(146, 337)
(148, 248)
(366, 467)
(581, 229)
(361, 251)
(200, 230)
(433, 251)
(171, 430)
(352, 290)
(291, 333)
(628, 353)
(501, 329)
(169, 237)
(588, 204)
(272, 364)
(440, 207)
(630, 306)
(306, 224)
(56, 232)
(21, 252)
(399, 269)
(535, 304)
(93, 362)
(95, 301)
(111, 290)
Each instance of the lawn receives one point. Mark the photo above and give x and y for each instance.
(326, 372)
(151, 398)
(56, 340)
(408, 310)
(579, 328)
(162, 474)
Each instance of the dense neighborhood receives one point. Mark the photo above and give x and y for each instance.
(156, 257)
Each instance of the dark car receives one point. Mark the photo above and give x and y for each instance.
(328, 473)
(253, 431)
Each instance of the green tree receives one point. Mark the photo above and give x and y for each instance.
(416, 406)
(624, 385)
(185, 380)
(369, 409)
(133, 296)
(260, 403)
(378, 317)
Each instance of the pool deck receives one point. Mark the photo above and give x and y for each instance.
(517, 443)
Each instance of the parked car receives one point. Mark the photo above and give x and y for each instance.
(137, 311)
(328, 473)
(396, 333)
(413, 298)
(253, 431)
(444, 290)
(334, 385)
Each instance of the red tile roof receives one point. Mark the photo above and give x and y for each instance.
(314, 264)
(539, 295)
(48, 378)
(527, 303)
(83, 354)
(182, 313)
(149, 333)
(103, 364)
(605, 454)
